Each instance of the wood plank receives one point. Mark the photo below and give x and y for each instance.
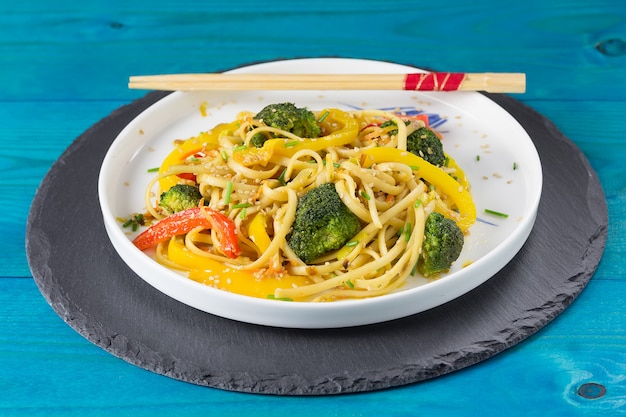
(34, 135)
(577, 348)
(65, 66)
(49, 48)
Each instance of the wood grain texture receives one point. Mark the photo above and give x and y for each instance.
(34, 135)
(50, 364)
(131, 39)
(65, 65)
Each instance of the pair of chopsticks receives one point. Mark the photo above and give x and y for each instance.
(430, 81)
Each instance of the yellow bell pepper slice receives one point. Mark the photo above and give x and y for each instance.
(215, 274)
(256, 156)
(258, 233)
(459, 174)
(432, 174)
(343, 127)
(346, 249)
(202, 142)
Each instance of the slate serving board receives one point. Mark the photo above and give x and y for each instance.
(90, 288)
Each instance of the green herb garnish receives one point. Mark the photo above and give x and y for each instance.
(134, 222)
(229, 191)
(496, 213)
(272, 297)
(323, 116)
(281, 177)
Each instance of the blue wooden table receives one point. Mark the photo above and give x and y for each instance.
(65, 64)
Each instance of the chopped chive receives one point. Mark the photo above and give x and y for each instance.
(352, 243)
(496, 213)
(336, 164)
(272, 297)
(292, 143)
(229, 191)
(224, 155)
(193, 159)
(514, 166)
(414, 167)
(407, 232)
(239, 147)
(446, 161)
(418, 203)
(134, 222)
(155, 169)
(365, 195)
(243, 213)
(478, 157)
(242, 205)
(414, 270)
(281, 177)
(323, 116)
(349, 284)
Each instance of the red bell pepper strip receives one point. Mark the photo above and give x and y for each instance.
(185, 221)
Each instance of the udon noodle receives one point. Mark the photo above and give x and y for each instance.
(390, 190)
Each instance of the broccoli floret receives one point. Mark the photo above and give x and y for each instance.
(180, 197)
(443, 241)
(323, 223)
(424, 142)
(286, 116)
(259, 139)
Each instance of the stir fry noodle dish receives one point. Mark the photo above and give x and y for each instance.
(308, 205)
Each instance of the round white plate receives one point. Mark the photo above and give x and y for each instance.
(496, 153)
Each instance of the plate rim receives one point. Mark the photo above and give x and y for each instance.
(276, 316)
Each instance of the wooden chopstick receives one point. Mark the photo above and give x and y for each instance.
(432, 81)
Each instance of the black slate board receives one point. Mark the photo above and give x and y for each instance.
(88, 285)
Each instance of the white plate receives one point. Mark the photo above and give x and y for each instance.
(498, 156)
